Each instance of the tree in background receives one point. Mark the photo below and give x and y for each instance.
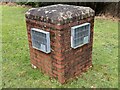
(99, 7)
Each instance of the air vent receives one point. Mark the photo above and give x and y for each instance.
(80, 35)
(40, 40)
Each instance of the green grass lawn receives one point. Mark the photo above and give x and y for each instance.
(16, 68)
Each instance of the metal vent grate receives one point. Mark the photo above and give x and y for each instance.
(80, 35)
(40, 40)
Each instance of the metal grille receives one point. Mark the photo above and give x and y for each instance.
(80, 35)
(40, 40)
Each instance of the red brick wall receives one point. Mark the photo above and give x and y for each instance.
(63, 62)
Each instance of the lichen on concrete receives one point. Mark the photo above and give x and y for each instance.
(60, 12)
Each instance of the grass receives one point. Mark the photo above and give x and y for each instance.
(0, 47)
(16, 68)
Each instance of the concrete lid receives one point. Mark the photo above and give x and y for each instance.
(59, 12)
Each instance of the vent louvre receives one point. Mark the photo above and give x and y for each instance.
(80, 35)
(40, 40)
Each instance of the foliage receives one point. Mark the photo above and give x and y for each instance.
(17, 71)
(33, 4)
(97, 6)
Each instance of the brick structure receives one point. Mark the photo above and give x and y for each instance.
(63, 62)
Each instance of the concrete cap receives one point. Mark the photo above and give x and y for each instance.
(59, 13)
